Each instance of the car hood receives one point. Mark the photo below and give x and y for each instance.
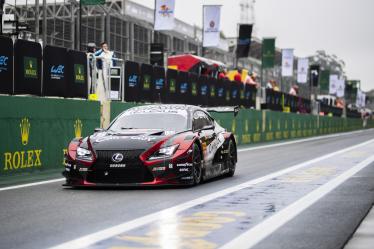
(134, 139)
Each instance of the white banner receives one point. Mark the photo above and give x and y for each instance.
(302, 70)
(334, 83)
(360, 99)
(287, 62)
(164, 15)
(211, 36)
(340, 89)
(363, 99)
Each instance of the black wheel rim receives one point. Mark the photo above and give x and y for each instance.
(196, 165)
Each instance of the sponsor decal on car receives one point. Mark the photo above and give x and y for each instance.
(122, 165)
(184, 164)
(159, 169)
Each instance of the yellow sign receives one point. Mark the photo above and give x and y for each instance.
(23, 159)
(25, 130)
(78, 126)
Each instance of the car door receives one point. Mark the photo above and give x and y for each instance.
(204, 126)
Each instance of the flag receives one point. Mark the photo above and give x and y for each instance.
(324, 80)
(164, 15)
(211, 34)
(361, 99)
(333, 85)
(302, 70)
(287, 62)
(244, 40)
(341, 88)
(268, 52)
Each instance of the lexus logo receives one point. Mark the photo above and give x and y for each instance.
(118, 157)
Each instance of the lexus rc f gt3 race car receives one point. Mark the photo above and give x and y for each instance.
(153, 145)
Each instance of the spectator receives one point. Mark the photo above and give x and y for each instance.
(238, 75)
(275, 86)
(269, 85)
(251, 80)
(104, 63)
(294, 90)
(222, 74)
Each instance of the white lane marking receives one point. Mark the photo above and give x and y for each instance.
(259, 232)
(172, 211)
(301, 140)
(240, 150)
(32, 184)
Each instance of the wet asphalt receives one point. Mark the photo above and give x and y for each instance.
(47, 215)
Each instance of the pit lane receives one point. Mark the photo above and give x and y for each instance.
(48, 215)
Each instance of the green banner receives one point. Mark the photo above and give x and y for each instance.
(351, 89)
(92, 2)
(36, 131)
(324, 80)
(268, 52)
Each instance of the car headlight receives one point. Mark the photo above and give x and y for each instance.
(84, 154)
(164, 152)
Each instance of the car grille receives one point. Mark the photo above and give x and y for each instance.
(134, 172)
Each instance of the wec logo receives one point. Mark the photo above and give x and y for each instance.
(3, 63)
(3, 60)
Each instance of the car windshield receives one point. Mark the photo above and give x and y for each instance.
(159, 121)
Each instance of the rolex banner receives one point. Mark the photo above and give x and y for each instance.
(268, 52)
(211, 36)
(244, 40)
(325, 80)
(302, 70)
(287, 62)
(164, 15)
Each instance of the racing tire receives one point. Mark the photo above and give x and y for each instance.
(231, 159)
(197, 171)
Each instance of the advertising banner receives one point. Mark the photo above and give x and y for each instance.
(220, 90)
(213, 98)
(244, 40)
(287, 62)
(164, 15)
(268, 52)
(211, 25)
(28, 65)
(76, 74)
(333, 84)
(6, 65)
(146, 81)
(193, 88)
(38, 131)
(54, 71)
(302, 70)
(341, 88)
(171, 79)
(132, 81)
(324, 80)
(159, 84)
(183, 88)
(204, 92)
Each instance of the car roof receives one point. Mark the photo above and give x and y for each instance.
(165, 107)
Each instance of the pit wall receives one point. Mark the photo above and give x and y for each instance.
(252, 126)
(34, 132)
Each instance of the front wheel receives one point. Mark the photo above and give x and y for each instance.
(231, 159)
(196, 161)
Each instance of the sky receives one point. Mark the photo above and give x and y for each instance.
(341, 27)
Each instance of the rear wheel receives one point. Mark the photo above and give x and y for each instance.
(196, 161)
(231, 159)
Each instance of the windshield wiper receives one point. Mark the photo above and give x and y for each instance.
(127, 128)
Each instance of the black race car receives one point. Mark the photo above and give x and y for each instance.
(153, 145)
